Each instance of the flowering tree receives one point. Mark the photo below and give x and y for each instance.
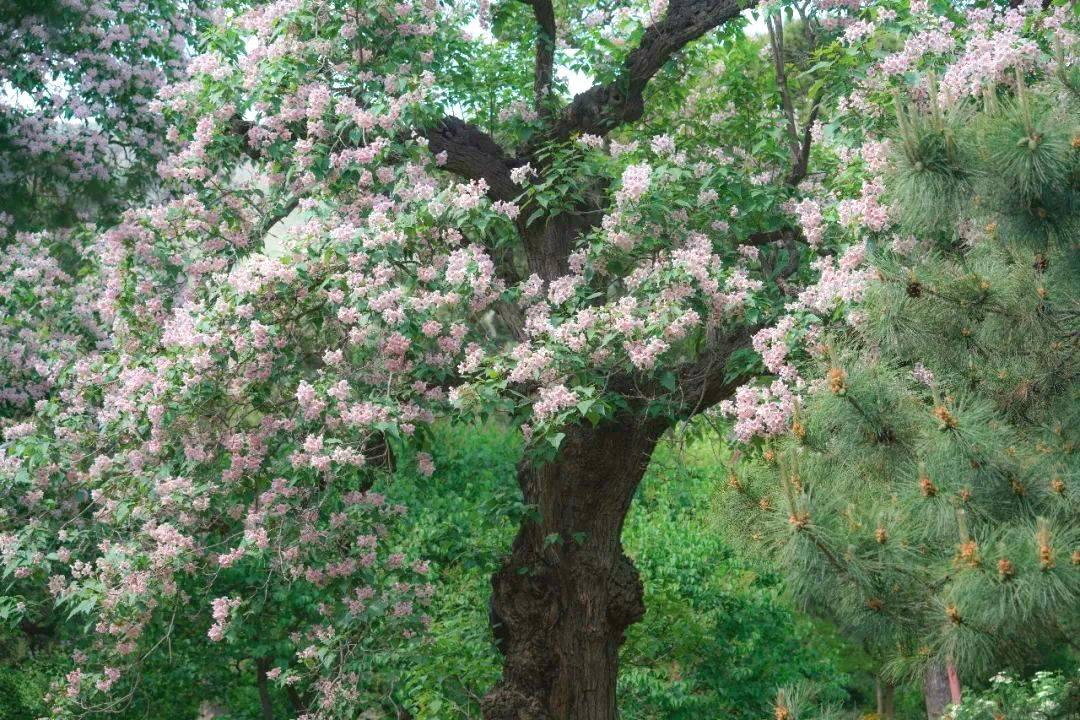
(80, 136)
(465, 239)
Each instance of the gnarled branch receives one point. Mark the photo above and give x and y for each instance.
(473, 154)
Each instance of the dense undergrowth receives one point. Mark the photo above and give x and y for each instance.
(717, 640)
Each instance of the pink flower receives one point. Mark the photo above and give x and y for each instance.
(425, 464)
(522, 173)
(635, 183)
(552, 400)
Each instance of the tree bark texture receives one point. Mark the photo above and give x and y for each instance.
(886, 699)
(564, 597)
(936, 691)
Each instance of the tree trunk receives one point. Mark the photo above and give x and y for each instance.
(886, 693)
(564, 597)
(262, 665)
(954, 683)
(936, 691)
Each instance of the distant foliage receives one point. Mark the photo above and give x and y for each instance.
(81, 127)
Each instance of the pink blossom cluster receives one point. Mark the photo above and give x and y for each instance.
(551, 400)
(223, 608)
(866, 211)
(811, 220)
(842, 280)
(760, 411)
(995, 49)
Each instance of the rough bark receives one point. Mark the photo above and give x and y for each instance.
(564, 597)
(936, 691)
(472, 153)
(548, 244)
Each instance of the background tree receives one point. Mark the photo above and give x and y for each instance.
(924, 495)
(81, 134)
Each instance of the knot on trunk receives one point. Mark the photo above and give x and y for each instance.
(626, 596)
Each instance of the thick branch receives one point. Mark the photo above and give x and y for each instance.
(471, 153)
(604, 107)
(706, 381)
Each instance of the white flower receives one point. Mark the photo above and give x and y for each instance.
(522, 173)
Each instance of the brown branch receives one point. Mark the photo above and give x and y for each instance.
(544, 13)
(775, 24)
(604, 107)
(802, 160)
(706, 380)
(473, 154)
(800, 146)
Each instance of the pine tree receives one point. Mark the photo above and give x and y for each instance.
(926, 497)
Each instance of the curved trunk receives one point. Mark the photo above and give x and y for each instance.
(564, 597)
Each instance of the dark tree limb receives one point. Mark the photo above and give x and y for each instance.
(604, 107)
(473, 154)
(706, 381)
(799, 142)
(470, 153)
(278, 213)
(266, 704)
(802, 160)
(544, 13)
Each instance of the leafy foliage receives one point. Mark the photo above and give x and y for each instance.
(1044, 696)
(924, 495)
